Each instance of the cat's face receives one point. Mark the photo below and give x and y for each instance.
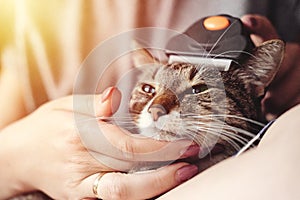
(167, 104)
(182, 100)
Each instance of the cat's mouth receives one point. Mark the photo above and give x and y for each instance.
(162, 129)
(160, 134)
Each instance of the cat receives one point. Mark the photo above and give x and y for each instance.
(219, 110)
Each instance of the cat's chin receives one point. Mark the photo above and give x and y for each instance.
(158, 134)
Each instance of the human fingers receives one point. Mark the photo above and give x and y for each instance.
(109, 163)
(98, 105)
(115, 142)
(108, 140)
(284, 91)
(108, 102)
(136, 147)
(260, 28)
(142, 185)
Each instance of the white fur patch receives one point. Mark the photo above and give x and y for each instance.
(150, 128)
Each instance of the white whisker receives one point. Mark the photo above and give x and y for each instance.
(219, 39)
(194, 115)
(234, 51)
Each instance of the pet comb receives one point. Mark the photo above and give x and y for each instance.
(217, 40)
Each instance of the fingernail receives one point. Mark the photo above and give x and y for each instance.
(250, 21)
(190, 151)
(186, 172)
(106, 94)
(253, 22)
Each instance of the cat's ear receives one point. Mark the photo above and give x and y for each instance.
(141, 56)
(261, 67)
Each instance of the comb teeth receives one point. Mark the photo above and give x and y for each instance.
(220, 63)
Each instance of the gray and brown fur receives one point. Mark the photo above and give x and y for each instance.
(227, 112)
(209, 115)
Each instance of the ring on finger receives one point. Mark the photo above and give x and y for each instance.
(96, 185)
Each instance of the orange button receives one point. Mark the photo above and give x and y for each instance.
(216, 23)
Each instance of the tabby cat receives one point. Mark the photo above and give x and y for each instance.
(216, 109)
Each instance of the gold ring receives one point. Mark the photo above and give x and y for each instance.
(95, 185)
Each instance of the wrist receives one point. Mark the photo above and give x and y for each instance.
(12, 181)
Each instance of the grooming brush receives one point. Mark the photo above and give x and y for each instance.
(217, 40)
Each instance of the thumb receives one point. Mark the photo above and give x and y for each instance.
(99, 105)
(108, 102)
(260, 28)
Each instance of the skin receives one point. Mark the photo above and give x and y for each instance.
(65, 159)
(62, 155)
(270, 171)
(283, 93)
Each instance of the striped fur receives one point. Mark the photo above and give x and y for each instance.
(182, 100)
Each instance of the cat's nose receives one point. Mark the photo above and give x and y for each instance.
(156, 111)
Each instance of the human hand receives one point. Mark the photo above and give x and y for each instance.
(46, 153)
(284, 91)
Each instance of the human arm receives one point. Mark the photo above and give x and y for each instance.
(270, 171)
(43, 151)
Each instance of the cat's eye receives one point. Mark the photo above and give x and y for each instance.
(148, 88)
(196, 89)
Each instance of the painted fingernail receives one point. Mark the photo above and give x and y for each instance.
(190, 151)
(106, 94)
(250, 22)
(186, 172)
(253, 22)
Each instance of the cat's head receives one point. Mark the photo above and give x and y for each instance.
(183, 100)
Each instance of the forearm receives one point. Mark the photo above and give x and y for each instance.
(271, 171)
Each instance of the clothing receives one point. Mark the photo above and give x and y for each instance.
(47, 41)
